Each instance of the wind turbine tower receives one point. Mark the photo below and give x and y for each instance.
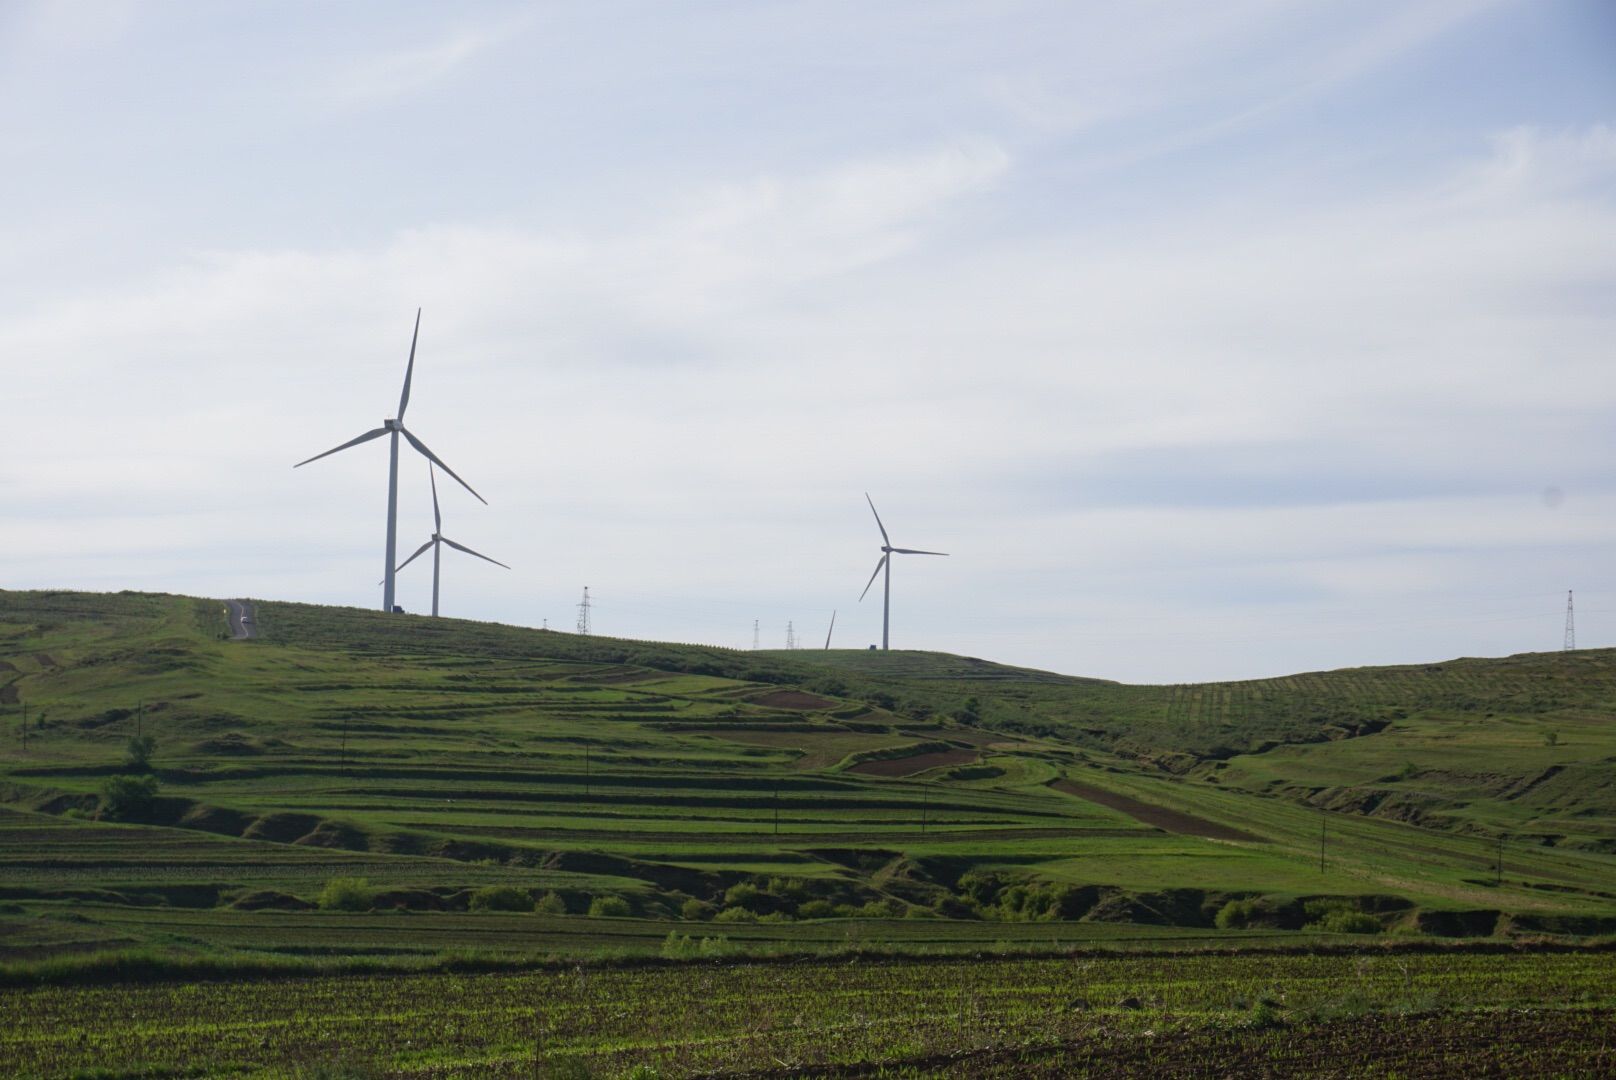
(887, 551)
(395, 428)
(437, 542)
(1571, 626)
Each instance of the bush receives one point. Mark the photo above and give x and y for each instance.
(345, 894)
(1235, 915)
(609, 907)
(695, 910)
(817, 909)
(128, 798)
(501, 898)
(735, 914)
(137, 754)
(745, 895)
(550, 904)
(1347, 922)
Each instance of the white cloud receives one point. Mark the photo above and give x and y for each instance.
(1206, 422)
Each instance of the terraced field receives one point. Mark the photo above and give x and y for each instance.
(437, 762)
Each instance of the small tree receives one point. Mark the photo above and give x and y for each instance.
(345, 894)
(501, 898)
(609, 907)
(128, 798)
(138, 753)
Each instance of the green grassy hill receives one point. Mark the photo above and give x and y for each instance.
(775, 799)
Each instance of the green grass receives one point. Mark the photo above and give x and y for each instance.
(1370, 1012)
(438, 757)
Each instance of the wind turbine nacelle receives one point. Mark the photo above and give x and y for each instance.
(392, 425)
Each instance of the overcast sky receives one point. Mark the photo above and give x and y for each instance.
(1211, 340)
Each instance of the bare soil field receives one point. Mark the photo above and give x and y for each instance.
(1173, 821)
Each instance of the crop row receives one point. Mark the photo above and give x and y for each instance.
(747, 1016)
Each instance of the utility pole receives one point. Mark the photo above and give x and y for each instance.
(344, 744)
(777, 808)
(586, 768)
(583, 612)
(24, 705)
(1571, 626)
(1498, 878)
(925, 802)
(754, 635)
(1324, 827)
(791, 636)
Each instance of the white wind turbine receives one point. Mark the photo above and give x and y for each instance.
(395, 428)
(887, 551)
(437, 542)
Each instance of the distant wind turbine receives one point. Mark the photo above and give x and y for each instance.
(887, 551)
(437, 542)
(395, 428)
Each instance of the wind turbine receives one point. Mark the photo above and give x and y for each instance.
(887, 551)
(395, 428)
(437, 542)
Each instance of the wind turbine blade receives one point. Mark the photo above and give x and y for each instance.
(404, 398)
(873, 576)
(832, 629)
(912, 551)
(885, 539)
(418, 553)
(468, 551)
(437, 518)
(366, 437)
(436, 460)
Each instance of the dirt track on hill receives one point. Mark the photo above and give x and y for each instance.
(793, 699)
(1173, 821)
(915, 763)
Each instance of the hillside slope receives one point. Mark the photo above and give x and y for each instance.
(789, 796)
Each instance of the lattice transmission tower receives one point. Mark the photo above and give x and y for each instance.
(791, 636)
(1571, 625)
(754, 635)
(583, 612)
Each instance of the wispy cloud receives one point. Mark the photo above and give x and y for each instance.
(381, 77)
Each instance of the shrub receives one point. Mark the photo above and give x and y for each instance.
(128, 798)
(138, 752)
(345, 894)
(745, 895)
(816, 909)
(501, 898)
(788, 888)
(1235, 915)
(1347, 922)
(609, 907)
(695, 910)
(550, 904)
(735, 914)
